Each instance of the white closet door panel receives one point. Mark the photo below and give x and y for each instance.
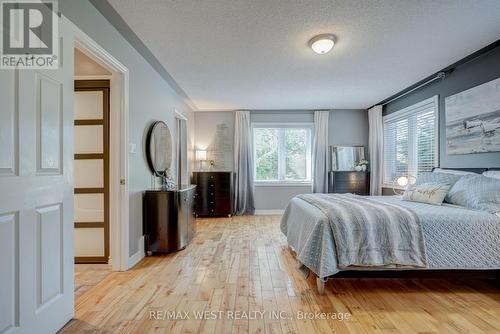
(89, 242)
(49, 253)
(89, 173)
(49, 124)
(36, 198)
(89, 139)
(88, 105)
(9, 262)
(8, 123)
(89, 207)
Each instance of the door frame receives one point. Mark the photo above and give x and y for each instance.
(118, 139)
(179, 115)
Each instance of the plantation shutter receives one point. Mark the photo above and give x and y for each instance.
(410, 140)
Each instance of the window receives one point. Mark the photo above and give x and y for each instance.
(282, 153)
(410, 140)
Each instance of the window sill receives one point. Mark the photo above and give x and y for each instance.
(282, 184)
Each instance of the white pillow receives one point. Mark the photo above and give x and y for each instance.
(431, 193)
(452, 171)
(492, 173)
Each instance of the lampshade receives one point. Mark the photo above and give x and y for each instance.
(201, 155)
(402, 181)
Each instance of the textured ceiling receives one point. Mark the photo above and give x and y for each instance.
(253, 54)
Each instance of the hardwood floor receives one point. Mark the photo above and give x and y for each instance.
(243, 264)
(89, 275)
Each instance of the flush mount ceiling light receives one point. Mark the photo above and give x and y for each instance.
(322, 44)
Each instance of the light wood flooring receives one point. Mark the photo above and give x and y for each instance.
(89, 275)
(243, 264)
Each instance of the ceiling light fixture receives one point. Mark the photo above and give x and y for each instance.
(322, 44)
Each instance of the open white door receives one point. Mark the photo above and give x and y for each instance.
(36, 196)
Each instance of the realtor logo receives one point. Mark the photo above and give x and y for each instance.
(29, 36)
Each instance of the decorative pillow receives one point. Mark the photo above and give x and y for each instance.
(437, 177)
(476, 192)
(431, 193)
(492, 173)
(453, 171)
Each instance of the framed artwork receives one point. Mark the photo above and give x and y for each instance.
(473, 120)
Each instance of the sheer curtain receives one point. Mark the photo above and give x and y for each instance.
(376, 149)
(243, 164)
(320, 152)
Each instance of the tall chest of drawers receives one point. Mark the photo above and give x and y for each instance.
(213, 193)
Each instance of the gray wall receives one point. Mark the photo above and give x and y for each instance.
(150, 99)
(346, 127)
(479, 71)
(276, 197)
(205, 127)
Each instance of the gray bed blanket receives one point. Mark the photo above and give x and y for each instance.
(369, 233)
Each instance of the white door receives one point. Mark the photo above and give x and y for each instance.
(36, 196)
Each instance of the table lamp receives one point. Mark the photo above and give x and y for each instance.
(201, 155)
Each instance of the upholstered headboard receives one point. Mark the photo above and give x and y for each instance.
(472, 170)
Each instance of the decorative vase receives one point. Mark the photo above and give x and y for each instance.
(363, 168)
(358, 168)
(168, 182)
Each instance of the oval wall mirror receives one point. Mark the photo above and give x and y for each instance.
(159, 148)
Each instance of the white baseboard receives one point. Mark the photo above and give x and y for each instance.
(138, 256)
(269, 212)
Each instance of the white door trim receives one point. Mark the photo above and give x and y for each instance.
(118, 163)
(178, 114)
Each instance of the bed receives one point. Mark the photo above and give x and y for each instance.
(455, 238)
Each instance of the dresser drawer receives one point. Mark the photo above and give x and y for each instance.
(349, 182)
(214, 193)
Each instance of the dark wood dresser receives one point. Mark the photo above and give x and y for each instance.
(213, 193)
(168, 219)
(349, 182)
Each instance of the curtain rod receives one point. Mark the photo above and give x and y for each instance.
(440, 75)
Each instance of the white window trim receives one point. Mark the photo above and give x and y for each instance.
(285, 183)
(408, 111)
(282, 183)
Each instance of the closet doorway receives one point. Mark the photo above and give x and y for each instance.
(91, 162)
(91, 171)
